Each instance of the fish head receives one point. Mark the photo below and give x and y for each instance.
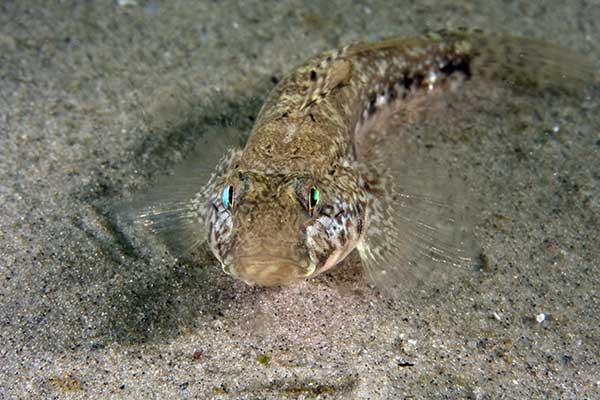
(277, 229)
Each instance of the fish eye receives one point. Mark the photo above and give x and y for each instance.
(227, 197)
(313, 199)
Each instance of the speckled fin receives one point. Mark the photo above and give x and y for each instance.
(420, 218)
(175, 207)
(419, 232)
(330, 77)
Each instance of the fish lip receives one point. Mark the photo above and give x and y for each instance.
(266, 258)
(267, 261)
(270, 270)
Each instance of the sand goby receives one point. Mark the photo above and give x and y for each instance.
(309, 187)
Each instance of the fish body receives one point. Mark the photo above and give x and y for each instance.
(306, 190)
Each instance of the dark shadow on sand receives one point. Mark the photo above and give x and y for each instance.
(150, 299)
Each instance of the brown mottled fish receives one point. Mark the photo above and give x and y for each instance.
(306, 190)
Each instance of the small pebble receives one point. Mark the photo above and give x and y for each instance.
(540, 317)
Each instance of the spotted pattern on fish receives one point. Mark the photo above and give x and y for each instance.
(304, 143)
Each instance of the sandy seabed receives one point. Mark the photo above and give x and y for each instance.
(99, 99)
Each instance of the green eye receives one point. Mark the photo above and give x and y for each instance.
(313, 198)
(227, 197)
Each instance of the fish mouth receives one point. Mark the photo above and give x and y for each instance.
(270, 270)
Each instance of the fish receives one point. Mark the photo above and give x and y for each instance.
(311, 184)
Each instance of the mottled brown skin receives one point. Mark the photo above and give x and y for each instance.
(262, 224)
(305, 136)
